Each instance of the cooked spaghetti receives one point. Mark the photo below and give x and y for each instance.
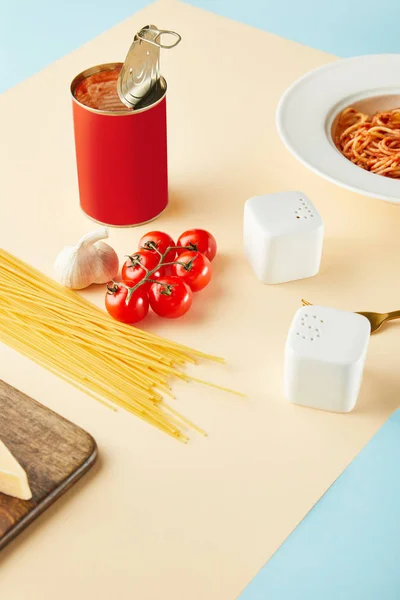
(115, 363)
(372, 143)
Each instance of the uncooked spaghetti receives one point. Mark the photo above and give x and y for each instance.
(115, 363)
(372, 143)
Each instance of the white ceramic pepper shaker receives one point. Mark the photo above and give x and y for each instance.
(283, 236)
(324, 358)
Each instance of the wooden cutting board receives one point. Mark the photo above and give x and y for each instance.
(54, 453)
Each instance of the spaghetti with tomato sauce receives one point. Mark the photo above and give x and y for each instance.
(372, 143)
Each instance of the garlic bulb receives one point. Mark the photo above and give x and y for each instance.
(89, 261)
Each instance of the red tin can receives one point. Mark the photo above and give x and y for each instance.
(121, 152)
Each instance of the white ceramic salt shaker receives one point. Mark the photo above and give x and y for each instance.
(324, 358)
(283, 236)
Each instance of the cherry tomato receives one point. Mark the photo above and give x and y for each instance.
(171, 297)
(136, 309)
(196, 271)
(132, 272)
(159, 240)
(198, 240)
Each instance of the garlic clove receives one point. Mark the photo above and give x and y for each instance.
(71, 272)
(107, 268)
(89, 261)
(92, 237)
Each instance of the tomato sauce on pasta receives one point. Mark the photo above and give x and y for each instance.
(372, 143)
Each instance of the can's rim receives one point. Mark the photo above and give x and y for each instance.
(110, 67)
(129, 225)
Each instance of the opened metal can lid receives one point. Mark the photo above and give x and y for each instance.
(140, 74)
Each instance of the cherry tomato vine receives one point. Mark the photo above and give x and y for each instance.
(162, 275)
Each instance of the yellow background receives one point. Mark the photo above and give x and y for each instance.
(156, 519)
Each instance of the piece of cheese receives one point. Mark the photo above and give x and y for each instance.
(13, 479)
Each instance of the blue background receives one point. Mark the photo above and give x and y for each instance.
(348, 546)
(341, 27)
(34, 33)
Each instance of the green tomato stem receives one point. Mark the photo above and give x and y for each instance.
(147, 278)
(135, 260)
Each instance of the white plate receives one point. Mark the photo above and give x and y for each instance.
(307, 110)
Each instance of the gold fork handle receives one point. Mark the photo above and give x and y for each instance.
(395, 314)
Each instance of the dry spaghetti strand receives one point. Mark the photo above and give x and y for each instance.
(372, 143)
(117, 364)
